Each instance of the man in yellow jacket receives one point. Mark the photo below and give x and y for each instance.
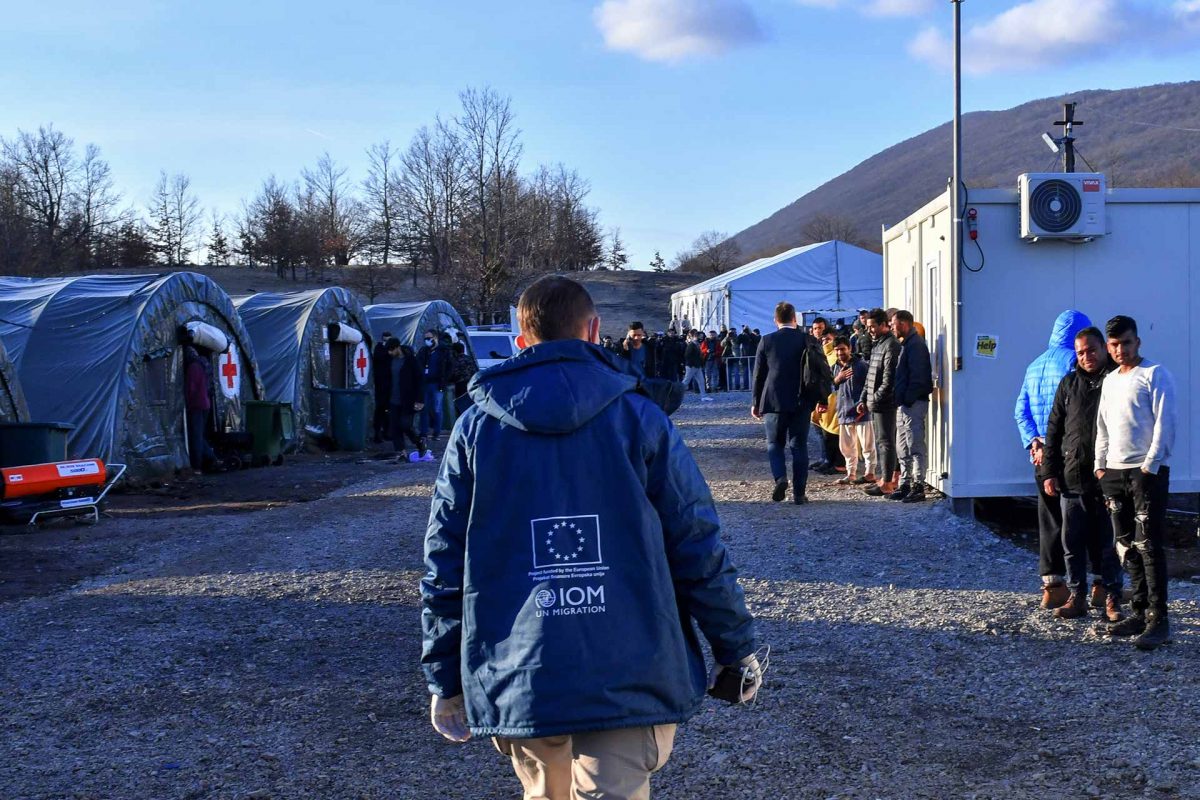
(827, 420)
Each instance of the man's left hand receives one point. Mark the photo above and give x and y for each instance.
(822, 408)
(418, 406)
(449, 717)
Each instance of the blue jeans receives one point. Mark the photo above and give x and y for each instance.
(712, 375)
(789, 429)
(431, 415)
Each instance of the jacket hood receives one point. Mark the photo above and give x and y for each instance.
(552, 387)
(1066, 326)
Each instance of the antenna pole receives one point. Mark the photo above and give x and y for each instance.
(956, 190)
(1068, 123)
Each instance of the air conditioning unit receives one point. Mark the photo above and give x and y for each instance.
(1062, 205)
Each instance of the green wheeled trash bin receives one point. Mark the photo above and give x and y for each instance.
(348, 407)
(270, 426)
(25, 443)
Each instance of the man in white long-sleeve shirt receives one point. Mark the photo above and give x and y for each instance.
(1135, 429)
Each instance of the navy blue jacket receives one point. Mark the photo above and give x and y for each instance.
(914, 371)
(572, 541)
(849, 392)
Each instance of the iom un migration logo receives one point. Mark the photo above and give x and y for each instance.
(566, 541)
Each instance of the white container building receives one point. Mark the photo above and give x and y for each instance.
(988, 319)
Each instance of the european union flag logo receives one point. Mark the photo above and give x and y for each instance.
(566, 541)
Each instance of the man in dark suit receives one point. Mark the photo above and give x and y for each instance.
(783, 402)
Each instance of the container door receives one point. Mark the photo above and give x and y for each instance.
(338, 364)
(938, 427)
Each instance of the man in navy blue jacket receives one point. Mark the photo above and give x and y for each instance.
(914, 384)
(558, 617)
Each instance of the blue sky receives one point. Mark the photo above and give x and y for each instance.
(684, 115)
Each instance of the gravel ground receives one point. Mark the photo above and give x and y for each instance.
(273, 655)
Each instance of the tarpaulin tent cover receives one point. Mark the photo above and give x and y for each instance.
(826, 276)
(103, 353)
(290, 331)
(12, 399)
(408, 321)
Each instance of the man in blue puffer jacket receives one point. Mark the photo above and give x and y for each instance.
(1032, 413)
(572, 542)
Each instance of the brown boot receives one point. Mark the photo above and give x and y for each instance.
(1112, 608)
(1074, 608)
(1055, 595)
(1099, 595)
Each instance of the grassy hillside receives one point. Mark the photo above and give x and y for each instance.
(1123, 135)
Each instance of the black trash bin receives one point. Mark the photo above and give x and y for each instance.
(24, 443)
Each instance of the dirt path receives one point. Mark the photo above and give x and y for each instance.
(273, 654)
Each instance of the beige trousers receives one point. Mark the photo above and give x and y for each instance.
(857, 442)
(599, 765)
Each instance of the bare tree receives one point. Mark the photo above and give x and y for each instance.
(339, 214)
(382, 203)
(175, 215)
(98, 201)
(830, 227)
(45, 167)
(713, 251)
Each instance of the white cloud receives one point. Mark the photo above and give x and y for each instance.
(672, 30)
(878, 8)
(1040, 33)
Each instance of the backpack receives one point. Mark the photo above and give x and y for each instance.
(816, 377)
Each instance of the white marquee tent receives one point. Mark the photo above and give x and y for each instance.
(826, 277)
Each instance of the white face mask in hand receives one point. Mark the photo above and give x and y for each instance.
(449, 717)
(739, 683)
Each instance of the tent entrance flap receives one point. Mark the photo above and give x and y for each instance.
(338, 364)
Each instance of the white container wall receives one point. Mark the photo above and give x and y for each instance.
(1147, 266)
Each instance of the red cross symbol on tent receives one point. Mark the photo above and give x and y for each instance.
(230, 370)
(361, 363)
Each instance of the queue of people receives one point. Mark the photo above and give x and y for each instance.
(411, 390)
(721, 357)
(1098, 421)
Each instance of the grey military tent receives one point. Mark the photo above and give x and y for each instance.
(12, 399)
(408, 321)
(307, 343)
(105, 353)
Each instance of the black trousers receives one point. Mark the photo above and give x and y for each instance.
(833, 449)
(382, 429)
(1051, 558)
(402, 426)
(883, 423)
(1087, 537)
(1138, 505)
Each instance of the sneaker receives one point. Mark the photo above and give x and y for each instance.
(863, 479)
(1074, 608)
(873, 490)
(706, 399)
(1157, 632)
(428, 456)
(915, 496)
(1099, 595)
(1133, 625)
(780, 490)
(1112, 607)
(900, 493)
(817, 466)
(1055, 595)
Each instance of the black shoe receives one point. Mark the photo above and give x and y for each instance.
(900, 493)
(873, 490)
(1157, 632)
(800, 500)
(915, 496)
(1133, 625)
(781, 487)
(817, 466)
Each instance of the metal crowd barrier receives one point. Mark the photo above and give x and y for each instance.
(739, 371)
